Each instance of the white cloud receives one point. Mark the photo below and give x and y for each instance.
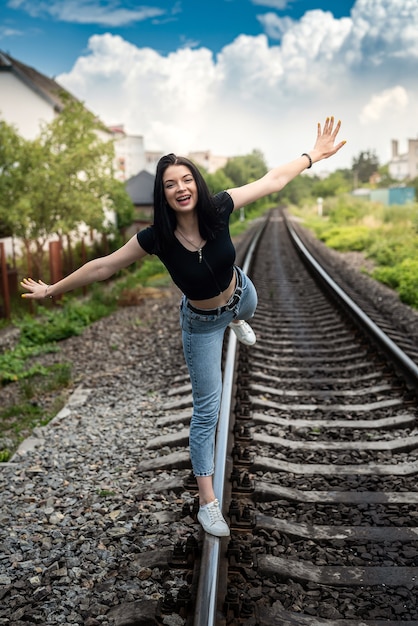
(387, 103)
(257, 95)
(6, 31)
(273, 4)
(103, 12)
(164, 98)
(275, 26)
(384, 31)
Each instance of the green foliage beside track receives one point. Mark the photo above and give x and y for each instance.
(386, 236)
(41, 334)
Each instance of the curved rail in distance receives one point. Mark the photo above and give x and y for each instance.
(408, 367)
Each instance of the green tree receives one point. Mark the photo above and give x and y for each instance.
(385, 178)
(12, 151)
(336, 183)
(364, 166)
(217, 181)
(66, 179)
(298, 190)
(245, 169)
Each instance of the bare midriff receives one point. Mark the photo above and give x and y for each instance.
(219, 300)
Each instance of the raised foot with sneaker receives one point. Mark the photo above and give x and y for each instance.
(244, 332)
(212, 520)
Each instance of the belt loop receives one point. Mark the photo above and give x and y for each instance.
(239, 277)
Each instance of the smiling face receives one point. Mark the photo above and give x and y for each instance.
(180, 188)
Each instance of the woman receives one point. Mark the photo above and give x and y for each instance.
(190, 235)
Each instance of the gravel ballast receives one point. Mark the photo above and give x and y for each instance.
(79, 521)
(76, 514)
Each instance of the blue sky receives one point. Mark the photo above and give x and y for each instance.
(51, 34)
(231, 76)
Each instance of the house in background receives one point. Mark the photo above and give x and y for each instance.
(151, 159)
(209, 161)
(140, 189)
(386, 195)
(203, 158)
(29, 99)
(129, 152)
(405, 165)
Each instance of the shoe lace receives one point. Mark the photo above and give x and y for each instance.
(214, 512)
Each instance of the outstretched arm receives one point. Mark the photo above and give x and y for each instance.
(278, 177)
(98, 269)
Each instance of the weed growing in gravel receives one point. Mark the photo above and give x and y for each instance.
(106, 493)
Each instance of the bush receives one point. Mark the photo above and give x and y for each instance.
(349, 238)
(392, 244)
(57, 324)
(345, 209)
(13, 363)
(402, 277)
(385, 234)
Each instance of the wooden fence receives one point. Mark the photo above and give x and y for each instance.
(9, 278)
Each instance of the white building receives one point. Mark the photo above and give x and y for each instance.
(209, 161)
(29, 98)
(129, 151)
(404, 166)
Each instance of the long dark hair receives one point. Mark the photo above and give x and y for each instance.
(165, 217)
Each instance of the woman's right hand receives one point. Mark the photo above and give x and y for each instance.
(36, 290)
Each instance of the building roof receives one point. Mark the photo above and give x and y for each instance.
(45, 87)
(140, 188)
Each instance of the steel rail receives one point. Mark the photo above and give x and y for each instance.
(207, 592)
(396, 355)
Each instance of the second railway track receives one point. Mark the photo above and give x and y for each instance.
(328, 480)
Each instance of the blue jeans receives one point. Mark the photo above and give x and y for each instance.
(202, 345)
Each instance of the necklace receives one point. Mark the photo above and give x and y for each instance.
(198, 248)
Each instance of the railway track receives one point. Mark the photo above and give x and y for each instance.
(317, 468)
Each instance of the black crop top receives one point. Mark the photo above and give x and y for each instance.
(199, 281)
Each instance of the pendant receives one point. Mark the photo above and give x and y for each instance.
(200, 254)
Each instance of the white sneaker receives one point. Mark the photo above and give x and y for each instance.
(212, 520)
(244, 332)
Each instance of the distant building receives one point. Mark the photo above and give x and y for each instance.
(387, 196)
(151, 159)
(140, 189)
(393, 195)
(203, 158)
(206, 159)
(404, 166)
(129, 151)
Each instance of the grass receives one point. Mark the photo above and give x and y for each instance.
(41, 390)
(18, 420)
(388, 236)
